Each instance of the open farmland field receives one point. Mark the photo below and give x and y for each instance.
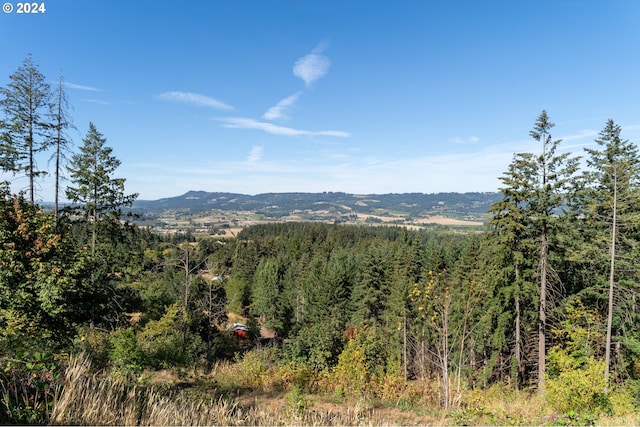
(229, 224)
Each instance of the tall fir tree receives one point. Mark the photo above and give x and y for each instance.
(371, 291)
(60, 139)
(266, 292)
(325, 298)
(552, 179)
(609, 206)
(512, 251)
(538, 184)
(27, 125)
(94, 187)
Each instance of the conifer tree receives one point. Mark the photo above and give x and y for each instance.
(407, 266)
(609, 207)
(267, 296)
(26, 128)
(60, 140)
(93, 184)
(325, 296)
(512, 249)
(370, 293)
(468, 289)
(553, 173)
(539, 184)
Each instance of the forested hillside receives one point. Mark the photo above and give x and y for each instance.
(541, 306)
(281, 204)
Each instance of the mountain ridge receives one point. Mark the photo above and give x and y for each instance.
(282, 204)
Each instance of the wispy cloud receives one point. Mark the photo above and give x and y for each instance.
(194, 99)
(246, 123)
(313, 66)
(98, 101)
(82, 87)
(255, 154)
(584, 133)
(278, 110)
(461, 140)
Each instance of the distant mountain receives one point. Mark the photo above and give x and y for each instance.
(282, 204)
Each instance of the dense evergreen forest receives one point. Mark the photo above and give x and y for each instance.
(543, 302)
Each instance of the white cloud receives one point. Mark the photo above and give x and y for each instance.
(255, 154)
(246, 123)
(98, 101)
(278, 110)
(82, 87)
(313, 66)
(584, 133)
(469, 140)
(194, 99)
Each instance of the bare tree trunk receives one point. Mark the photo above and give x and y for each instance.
(542, 324)
(444, 358)
(94, 225)
(31, 167)
(463, 339)
(404, 348)
(544, 252)
(518, 337)
(444, 350)
(612, 258)
(58, 148)
(186, 297)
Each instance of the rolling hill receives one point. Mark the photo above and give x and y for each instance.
(283, 204)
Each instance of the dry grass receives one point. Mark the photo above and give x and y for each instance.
(260, 399)
(502, 405)
(92, 399)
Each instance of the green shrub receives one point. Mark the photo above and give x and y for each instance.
(29, 386)
(125, 354)
(95, 343)
(166, 343)
(622, 400)
(237, 291)
(577, 391)
(297, 374)
(297, 403)
(256, 368)
(361, 363)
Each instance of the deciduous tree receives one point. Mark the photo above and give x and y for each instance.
(44, 287)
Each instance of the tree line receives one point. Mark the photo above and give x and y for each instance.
(546, 295)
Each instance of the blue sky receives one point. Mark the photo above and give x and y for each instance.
(355, 96)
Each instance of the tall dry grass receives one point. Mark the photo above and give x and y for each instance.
(92, 399)
(89, 398)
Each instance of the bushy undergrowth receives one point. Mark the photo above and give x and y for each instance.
(36, 391)
(29, 387)
(159, 344)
